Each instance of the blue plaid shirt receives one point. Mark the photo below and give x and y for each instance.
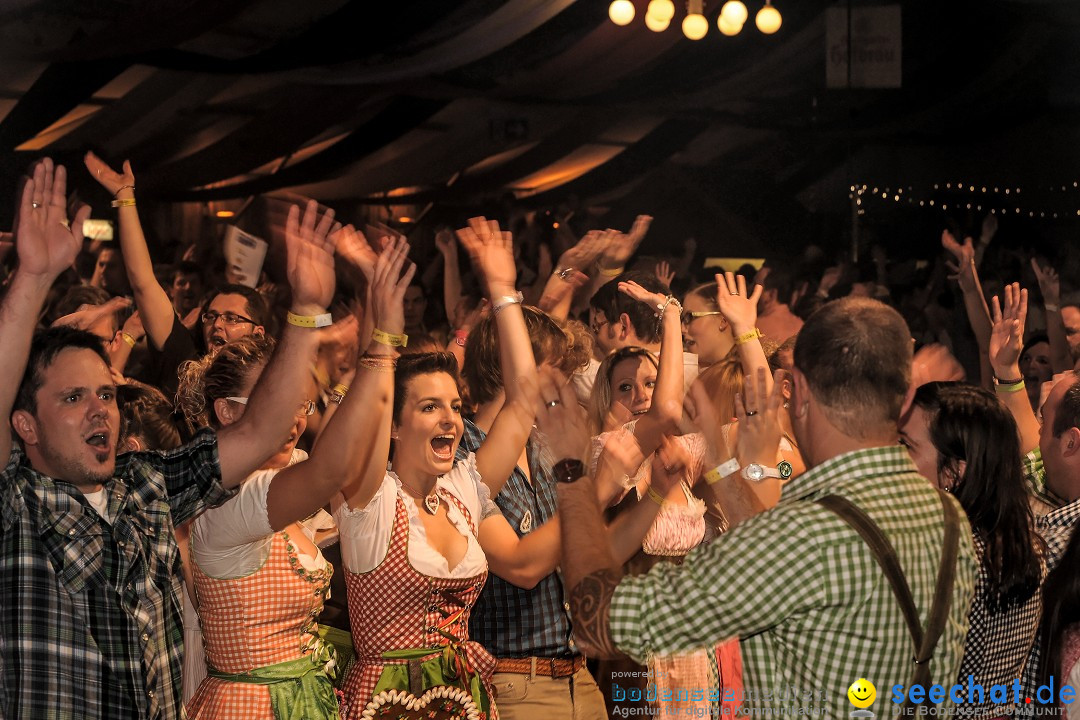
(91, 621)
(507, 620)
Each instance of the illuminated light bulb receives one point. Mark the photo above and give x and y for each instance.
(727, 28)
(768, 19)
(734, 12)
(621, 12)
(404, 219)
(225, 213)
(695, 26)
(661, 10)
(655, 24)
(931, 203)
(555, 225)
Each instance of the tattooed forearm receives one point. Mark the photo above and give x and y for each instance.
(589, 603)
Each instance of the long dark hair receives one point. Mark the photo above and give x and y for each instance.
(970, 424)
(1061, 609)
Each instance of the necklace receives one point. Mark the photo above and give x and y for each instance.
(431, 500)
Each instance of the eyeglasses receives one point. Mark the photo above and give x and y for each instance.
(598, 325)
(230, 318)
(689, 317)
(305, 408)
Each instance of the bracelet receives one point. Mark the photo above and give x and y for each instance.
(340, 389)
(123, 202)
(748, 336)
(656, 497)
(612, 272)
(380, 363)
(390, 339)
(1051, 308)
(501, 302)
(1012, 387)
(669, 300)
(129, 339)
(123, 187)
(722, 470)
(999, 381)
(460, 336)
(310, 321)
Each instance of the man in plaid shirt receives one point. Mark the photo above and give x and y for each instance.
(90, 616)
(796, 583)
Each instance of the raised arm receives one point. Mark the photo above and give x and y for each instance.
(46, 247)
(1006, 343)
(444, 241)
(153, 302)
(344, 457)
(740, 309)
(570, 273)
(666, 409)
(245, 445)
(492, 255)
(966, 274)
(373, 384)
(1050, 287)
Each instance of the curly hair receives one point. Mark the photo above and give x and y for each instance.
(218, 376)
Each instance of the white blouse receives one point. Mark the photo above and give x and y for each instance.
(365, 532)
(233, 540)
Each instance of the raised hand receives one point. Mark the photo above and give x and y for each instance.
(388, 286)
(88, 315)
(932, 363)
(621, 246)
(444, 241)
(108, 178)
(635, 291)
(756, 410)
(559, 416)
(351, 244)
(962, 266)
(1049, 283)
(664, 273)
(585, 252)
(738, 308)
(492, 253)
(45, 243)
(1007, 333)
(310, 251)
(829, 280)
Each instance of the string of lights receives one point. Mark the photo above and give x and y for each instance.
(1057, 202)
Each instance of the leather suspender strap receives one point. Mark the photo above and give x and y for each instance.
(922, 642)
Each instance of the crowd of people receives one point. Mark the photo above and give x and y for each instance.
(534, 474)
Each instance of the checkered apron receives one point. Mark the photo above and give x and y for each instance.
(395, 607)
(250, 622)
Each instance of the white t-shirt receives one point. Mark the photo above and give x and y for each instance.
(365, 532)
(99, 501)
(234, 540)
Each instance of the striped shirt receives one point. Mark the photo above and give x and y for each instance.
(804, 593)
(91, 622)
(510, 621)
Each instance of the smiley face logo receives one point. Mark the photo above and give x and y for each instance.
(862, 693)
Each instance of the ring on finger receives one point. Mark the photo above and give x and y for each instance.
(552, 403)
(751, 413)
(734, 292)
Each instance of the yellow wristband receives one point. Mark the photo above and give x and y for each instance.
(656, 497)
(128, 339)
(612, 272)
(310, 321)
(748, 336)
(385, 338)
(721, 471)
(1015, 387)
(340, 389)
(124, 202)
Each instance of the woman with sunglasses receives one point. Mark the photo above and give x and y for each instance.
(706, 331)
(259, 577)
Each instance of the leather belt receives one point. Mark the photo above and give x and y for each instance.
(548, 667)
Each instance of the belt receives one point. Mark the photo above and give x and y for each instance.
(548, 667)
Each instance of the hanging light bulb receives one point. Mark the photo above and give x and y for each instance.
(661, 11)
(734, 11)
(768, 19)
(694, 25)
(727, 28)
(621, 12)
(654, 24)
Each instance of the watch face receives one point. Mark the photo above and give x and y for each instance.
(785, 469)
(755, 471)
(568, 470)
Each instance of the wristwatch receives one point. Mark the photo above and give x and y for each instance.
(757, 473)
(568, 470)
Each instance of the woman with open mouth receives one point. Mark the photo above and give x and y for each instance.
(418, 539)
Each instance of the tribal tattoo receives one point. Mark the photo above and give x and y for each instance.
(589, 603)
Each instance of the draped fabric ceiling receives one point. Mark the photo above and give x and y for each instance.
(430, 103)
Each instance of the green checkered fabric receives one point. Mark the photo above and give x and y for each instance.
(811, 605)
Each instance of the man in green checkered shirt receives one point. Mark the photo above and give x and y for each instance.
(799, 587)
